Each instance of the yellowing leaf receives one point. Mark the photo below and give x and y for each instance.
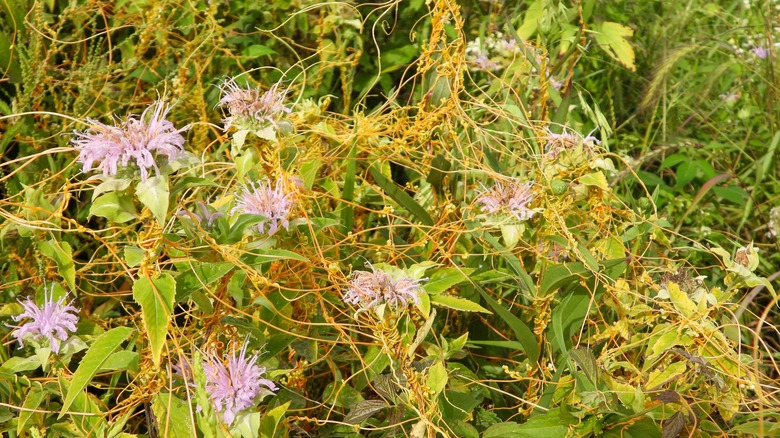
(660, 377)
(680, 300)
(612, 38)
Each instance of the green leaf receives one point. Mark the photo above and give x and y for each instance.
(437, 377)
(34, 398)
(557, 276)
(9, 59)
(257, 50)
(458, 303)
(270, 255)
(199, 276)
(174, 416)
(309, 171)
(522, 332)
(153, 193)
(114, 206)
(120, 361)
(612, 39)
(400, 196)
(364, 410)
(97, 354)
(547, 425)
(445, 278)
(271, 419)
(62, 254)
(155, 296)
(16, 364)
(133, 255)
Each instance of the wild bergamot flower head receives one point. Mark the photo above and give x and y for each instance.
(370, 289)
(137, 141)
(249, 106)
(53, 320)
(511, 197)
(234, 386)
(259, 197)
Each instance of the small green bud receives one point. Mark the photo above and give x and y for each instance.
(558, 187)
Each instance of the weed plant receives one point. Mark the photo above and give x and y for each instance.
(423, 218)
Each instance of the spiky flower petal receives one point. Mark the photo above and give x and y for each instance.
(135, 141)
(247, 106)
(260, 198)
(568, 140)
(512, 198)
(53, 320)
(370, 289)
(234, 386)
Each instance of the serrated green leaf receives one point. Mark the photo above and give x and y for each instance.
(133, 255)
(97, 354)
(199, 276)
(458, 303)
(155, 296)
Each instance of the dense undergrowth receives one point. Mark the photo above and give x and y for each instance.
(435, 218)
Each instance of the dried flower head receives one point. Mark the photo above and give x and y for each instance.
(370, 289)
(234, 386)
(52, 321)
(568, 140)
(247, 106)
(512, 198)
(141, 140)
(260, 198)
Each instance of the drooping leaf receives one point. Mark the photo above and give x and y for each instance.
(98, 353)
(155, 296)
(400, 196)
(62, 254)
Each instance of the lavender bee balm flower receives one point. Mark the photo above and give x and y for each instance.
(235, 386)
(138, 142)
(51, 321)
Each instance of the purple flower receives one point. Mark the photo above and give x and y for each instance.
(760, 52)
(568, 140)
(248, 105)
(512, 198)
(273, 203)
(370, 289)
(51, 321)
(485, 63)
(234, 387)
(142, 140)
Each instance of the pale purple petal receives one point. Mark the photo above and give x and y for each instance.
(512, 198)
(273, 203)
(52, 321)
(370, 289)
(235, 386)
(137, 142)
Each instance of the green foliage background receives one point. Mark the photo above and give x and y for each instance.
(638, 301)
